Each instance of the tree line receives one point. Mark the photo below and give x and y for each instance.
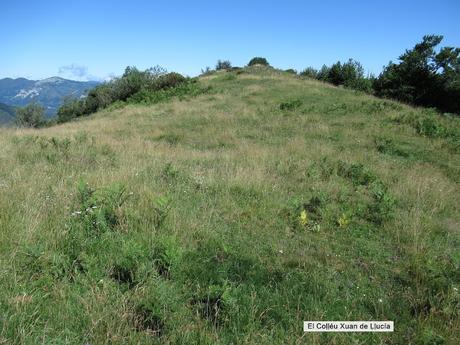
(423, 76)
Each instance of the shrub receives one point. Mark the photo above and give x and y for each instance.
(134, 81)
(291, 71)
(187, 88)
(99, 98)
(388, 146)
(70, 109)
(357, 173)
(132, 84)
(169, 80)
(430, 127)
(291, 105)
(382, 206)
(223, 64)
(258, 61)
(310, 72)
(30, 116)
(98, 211)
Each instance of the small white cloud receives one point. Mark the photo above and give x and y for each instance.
(74, 70)
(77, 72)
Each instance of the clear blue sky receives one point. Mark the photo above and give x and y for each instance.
(95, 39)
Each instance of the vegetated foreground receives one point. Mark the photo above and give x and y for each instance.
(232, 217)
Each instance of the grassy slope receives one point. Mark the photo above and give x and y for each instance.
(208, 246)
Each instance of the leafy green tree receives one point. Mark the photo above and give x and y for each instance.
(32, 115)
(258, 61)
(423, 76)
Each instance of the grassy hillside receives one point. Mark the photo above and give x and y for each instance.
(232, 217)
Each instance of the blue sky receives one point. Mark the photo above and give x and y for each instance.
(98, 39)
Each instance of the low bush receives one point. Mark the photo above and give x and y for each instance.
(188, 88)
(429, 124)
(291, 71)
(258, 61)
(357, 173)
(133, 82)
(223, 65)
(310, 72)
(98, 211)
(291, 105)
(388, 146)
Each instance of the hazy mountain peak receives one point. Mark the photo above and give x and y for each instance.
(49, 92)
(52, 80)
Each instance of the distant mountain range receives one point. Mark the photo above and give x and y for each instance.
(50, 93)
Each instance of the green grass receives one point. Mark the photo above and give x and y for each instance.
(231, 217)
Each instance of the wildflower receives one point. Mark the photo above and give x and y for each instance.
(343, 221)
(76, 213)
(303, 218)
(380, 300)
(280, 251)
